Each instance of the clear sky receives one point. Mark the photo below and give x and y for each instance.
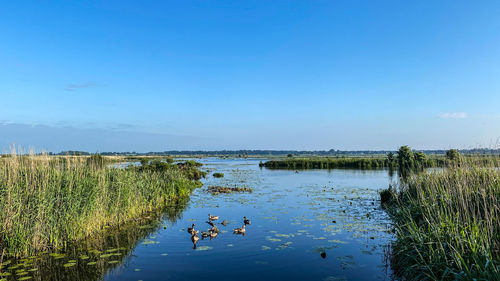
(160, 75)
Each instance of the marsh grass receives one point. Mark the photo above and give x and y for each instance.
(448, 223)
(339, 163)
(47, 202)
(368, 163)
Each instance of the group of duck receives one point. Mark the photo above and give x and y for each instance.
(214, 231)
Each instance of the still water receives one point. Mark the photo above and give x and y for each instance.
(310, 225)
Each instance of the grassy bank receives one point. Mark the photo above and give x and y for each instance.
(447, 224)
(342, 163)
(48, 202)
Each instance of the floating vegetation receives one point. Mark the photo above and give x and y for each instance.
(269, 238)
(57, 255)
(284, 245)
(265, 248)
(218, 175)
(221, 189)
(203, 248)
(149, 242)
(69, 264)
(337, 241)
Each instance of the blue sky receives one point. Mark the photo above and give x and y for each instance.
(161, 75)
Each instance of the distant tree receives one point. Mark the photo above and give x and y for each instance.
(289, 155)
(452, 154)
(390, 159)
(405, 161)
(419, 159)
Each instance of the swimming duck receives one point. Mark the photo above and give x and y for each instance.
(239, 230)
(224, 222)
(213, 234)
(214, 227)
(205, 234)
(212, 218)
(195, 238)
(246, 221)
(191, 229)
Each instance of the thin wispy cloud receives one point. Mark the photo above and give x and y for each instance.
(453, 115)
(76, 87)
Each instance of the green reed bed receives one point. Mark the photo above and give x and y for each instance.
(447, 224)
(343, 163)
(48, 202)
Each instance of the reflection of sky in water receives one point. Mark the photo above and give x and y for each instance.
(312, 225)
(292, 217)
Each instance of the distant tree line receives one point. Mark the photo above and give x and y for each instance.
(289, 153)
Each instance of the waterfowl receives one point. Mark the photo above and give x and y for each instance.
(213, 234)
(246, 221)
(191, 229)
(195, 238)
(205, 234)
(214, 229)
(224, 222)
(239, 230)
(212, 218)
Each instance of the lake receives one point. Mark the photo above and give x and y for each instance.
(309, 225)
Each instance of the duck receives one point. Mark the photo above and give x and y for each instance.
(191, 229)
(214, 227)
(195, 238)
(205, 234)
(224, 222)
(239, 230)
(213, 234)
(246, 221)
(212, 218)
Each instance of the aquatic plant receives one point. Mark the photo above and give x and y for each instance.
(447, 224)
(218, 175)
(221, 189)
(48, 202)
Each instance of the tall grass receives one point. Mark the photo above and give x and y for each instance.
(447, 224)
(48, 202)
(342, 163)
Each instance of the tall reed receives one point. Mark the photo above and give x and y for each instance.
(448, 224)
(46, 202)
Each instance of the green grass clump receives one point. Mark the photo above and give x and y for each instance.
(328, 163)
(448, 224)
(48, 202)
(218, 175)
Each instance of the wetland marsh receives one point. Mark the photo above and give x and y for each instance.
(314, 225)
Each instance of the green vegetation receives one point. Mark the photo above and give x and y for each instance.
(447, 223)
(47, 202)
(223, 189)
(408, 161)
(326, 163)
(405, 160)
(218, 175)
